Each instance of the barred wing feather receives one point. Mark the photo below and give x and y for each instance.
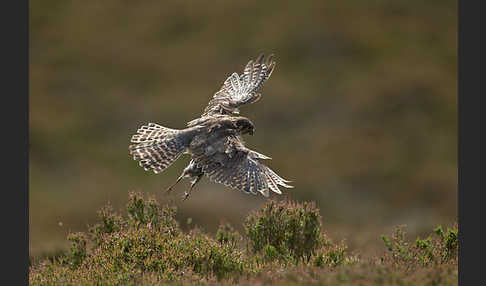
(240, 168)
(241, 89)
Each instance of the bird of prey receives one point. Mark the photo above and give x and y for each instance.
(214, 139)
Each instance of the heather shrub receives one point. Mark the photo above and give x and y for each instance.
(332, 255)
(227, 235)
(213, 258)
(438, 248)
(77, 251)
(109, 222)
(284, 243)
(449, 243)
(285, 230)
(146, 241)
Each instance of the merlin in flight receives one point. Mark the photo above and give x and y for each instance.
(214, 139)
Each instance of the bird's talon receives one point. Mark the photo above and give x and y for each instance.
(186, 195)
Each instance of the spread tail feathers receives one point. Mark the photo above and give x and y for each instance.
(157, 147)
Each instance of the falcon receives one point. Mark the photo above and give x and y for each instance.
(214, 140)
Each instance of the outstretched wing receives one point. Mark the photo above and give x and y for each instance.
(230, 163)
(240, 89)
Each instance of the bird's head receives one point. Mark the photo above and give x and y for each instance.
(244, 125)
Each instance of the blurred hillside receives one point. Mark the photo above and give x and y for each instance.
(360, 112)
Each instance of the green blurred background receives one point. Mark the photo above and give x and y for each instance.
(360, 112)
